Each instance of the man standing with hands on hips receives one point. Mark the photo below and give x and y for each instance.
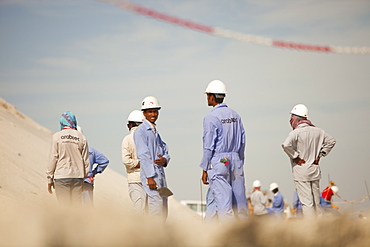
(305, 146)
(223, 155)
(153, 155)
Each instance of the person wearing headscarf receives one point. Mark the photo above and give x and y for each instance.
(68, 162)
(305, 146)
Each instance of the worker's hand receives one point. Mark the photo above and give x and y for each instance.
(299, 161)
(316, 162)
(205, 177)
(50, 186)
(152, 184)
(161, 161)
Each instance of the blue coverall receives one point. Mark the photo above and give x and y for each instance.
(224, 138)
(88, 187)
(277, 205)
(148, 146)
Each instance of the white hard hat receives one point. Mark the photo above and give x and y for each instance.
(135, 116)
(335, 189)
(256, 183)
(273, 186)
(79, 129)
(217, 87)
(300, 110)
(150, 102)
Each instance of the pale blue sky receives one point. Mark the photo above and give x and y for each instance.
(100, 61)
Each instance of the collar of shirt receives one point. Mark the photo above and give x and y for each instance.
(152, 125)
(302, 125)
(218, 106)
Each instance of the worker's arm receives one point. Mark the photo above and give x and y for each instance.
(52, 165)
(209, 137)
(327, 146)
(289, 148)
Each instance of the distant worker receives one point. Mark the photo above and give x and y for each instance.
(101, 162)
(326, 198)
(69, 162)
(305, 145)
(129, 159)
(278, 204)
(223, 155)
(153, 155)
(258, 200)
(297, 205)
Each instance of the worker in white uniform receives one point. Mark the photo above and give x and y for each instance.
(258, 199)
(129, 159)
(153, 156)
(223, 155)
(305, 146)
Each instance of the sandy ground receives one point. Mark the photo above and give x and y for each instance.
(29, 216)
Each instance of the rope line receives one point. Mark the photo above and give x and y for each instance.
(248, 38)
(357, 201)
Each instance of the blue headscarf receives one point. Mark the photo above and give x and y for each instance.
(68, 120)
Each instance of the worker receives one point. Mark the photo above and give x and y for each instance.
(305, 146)
(69, 162)
(258, 200)
(326, 198)
(101, 162)
(223, 155)
(277, 208)
(129, 158)
(153, 156)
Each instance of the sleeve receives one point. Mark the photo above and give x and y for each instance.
(85, 157)
(143, 153)
(127, 156)
(328, 144)
(209, 137)
(163, 150)
(101, 160)
(52, 161)
(243, 143)
(289, 146)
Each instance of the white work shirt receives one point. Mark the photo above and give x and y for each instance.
(308, 143)
(129, 158)
(259, 201)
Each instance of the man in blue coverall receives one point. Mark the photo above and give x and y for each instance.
(223, 155)
(277, 208)
(153, 155)
(101, 162)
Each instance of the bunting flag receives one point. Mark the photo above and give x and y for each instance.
(236, 35)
